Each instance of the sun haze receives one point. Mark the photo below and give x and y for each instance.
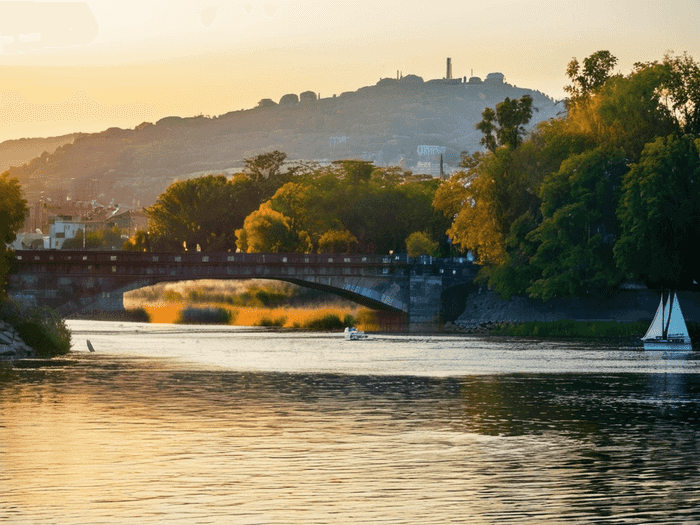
(87, 66)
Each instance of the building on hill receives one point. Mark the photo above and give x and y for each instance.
(289, 98)
(307, 96)
(495, 78)
(267, 103)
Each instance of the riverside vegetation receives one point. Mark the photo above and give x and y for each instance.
(40, 328)
(245, 303)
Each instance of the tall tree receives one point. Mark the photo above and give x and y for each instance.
(660, 214)
(507, 122)
(589, 77)
(13, 211)
(192, 213)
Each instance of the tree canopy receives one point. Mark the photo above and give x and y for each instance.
(587, 200)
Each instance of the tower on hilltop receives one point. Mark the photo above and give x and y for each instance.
(449, 68)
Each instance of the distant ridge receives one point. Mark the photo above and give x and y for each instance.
(20, 151)
(388, 123)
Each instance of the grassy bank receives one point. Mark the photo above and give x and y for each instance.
(571, 329)
(40, 328)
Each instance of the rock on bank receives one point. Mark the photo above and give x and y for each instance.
(11, 345)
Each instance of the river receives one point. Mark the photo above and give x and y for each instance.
(228, 425)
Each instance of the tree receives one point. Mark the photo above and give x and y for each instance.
(264, 166)
(139, 242)
(574, 253)
(419, 243)
(193, 212)
(13, 211)
(337, 241)
(660, 214)
(267, 230)
(508, 122)
(681, 92)
(591, 76)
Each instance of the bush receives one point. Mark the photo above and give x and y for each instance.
(269, 321)
(41, 328)
(137, 315)
(324, 322)
(213, 315)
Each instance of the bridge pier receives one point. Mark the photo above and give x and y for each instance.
(424, 313)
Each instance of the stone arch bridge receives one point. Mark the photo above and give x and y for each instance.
(414, 294)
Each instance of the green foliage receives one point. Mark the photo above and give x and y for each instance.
(267, 230)
(572, 329)
(41, 328)
(575, 238)
(507, 122)
(347, 207)
(207, 211)
(607, 192)
(13, 210)
(419, 243)
(337, 241)
(589, 77)
(660, 213)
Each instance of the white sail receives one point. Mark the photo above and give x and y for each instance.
(656, 328)
(676, 326)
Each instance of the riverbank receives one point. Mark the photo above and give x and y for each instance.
(12, 346)
(31, 332)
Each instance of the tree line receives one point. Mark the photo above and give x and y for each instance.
(349, 206)
(606, 193)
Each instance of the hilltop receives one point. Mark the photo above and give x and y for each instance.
(385, 123)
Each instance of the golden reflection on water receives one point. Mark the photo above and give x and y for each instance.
(117, 440)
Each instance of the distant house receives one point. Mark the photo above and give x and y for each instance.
(475, 80)
(290, 98)
(267, 103)
(307, 96)
(61, 230)
(130, 220)
(495, 78)
(408, 79)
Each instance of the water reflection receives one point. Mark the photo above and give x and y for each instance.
(110, 439)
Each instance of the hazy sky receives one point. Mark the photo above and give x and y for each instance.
(87, 66)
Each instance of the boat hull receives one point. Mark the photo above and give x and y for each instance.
(667, 350)
(667, 346)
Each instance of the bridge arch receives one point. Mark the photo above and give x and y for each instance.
(74, 281)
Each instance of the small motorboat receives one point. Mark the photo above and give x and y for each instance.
(353, 334)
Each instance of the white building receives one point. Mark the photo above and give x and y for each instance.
(62, 230)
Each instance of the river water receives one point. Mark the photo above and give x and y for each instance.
(227, 425)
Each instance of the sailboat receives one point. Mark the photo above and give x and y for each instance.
(668, 331)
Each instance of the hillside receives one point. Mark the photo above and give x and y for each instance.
(20, 151)
(385, 123)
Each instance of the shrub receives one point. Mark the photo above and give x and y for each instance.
(41, 328)
(324, 322)
(137, 315)
(269, 321)
(212, 315)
